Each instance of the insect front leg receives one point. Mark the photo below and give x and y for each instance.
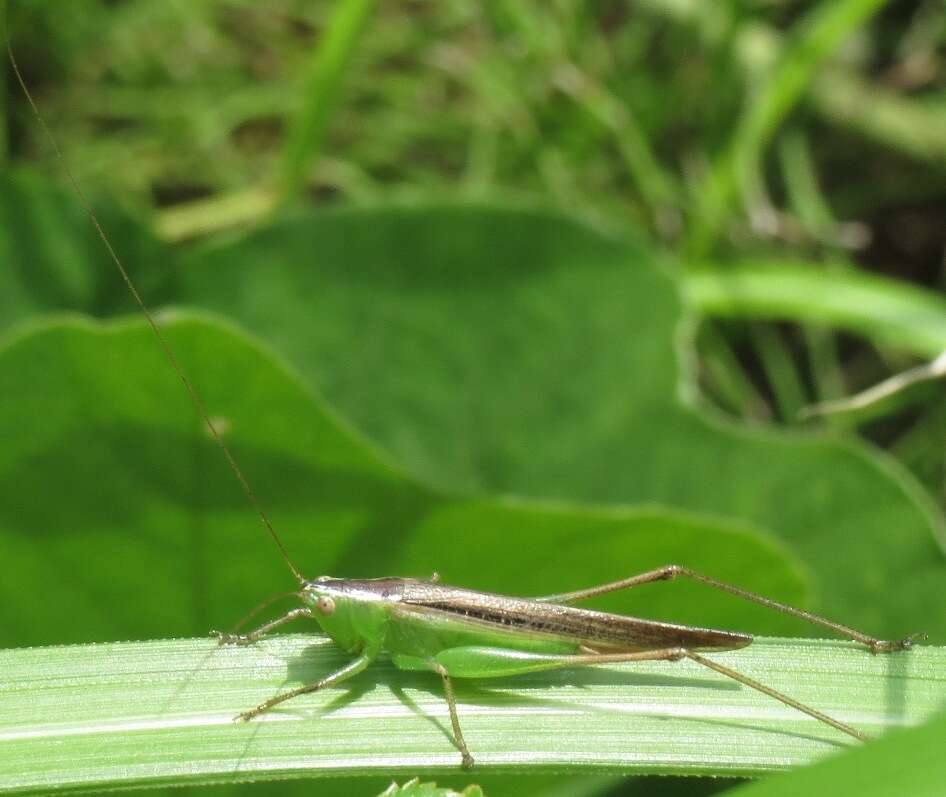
(670, 572)
(353, 667)
(248, 639)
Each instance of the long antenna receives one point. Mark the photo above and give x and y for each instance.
(162, 341)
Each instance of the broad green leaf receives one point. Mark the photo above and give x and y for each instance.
(116, 505)
(904, 762)
(517, 351)
(161, 713)
(53, 260)
(544, 418)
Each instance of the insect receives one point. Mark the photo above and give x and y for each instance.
(460, 633)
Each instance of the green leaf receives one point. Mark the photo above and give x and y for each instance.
(598, 432)
(514, 351)
(903, 762)
(161, 713)
(114, 500)
(54, 260)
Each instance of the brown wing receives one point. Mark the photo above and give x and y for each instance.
(597, 631)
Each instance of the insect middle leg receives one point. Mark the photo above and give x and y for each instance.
(467, 759)
(486, 662)
(670, 572)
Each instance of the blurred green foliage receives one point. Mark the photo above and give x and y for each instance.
(584, 253)
(414, 788)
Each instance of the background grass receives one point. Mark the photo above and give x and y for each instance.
(596, 256)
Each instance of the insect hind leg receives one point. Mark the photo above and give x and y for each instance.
(670, 572)
(745, 680)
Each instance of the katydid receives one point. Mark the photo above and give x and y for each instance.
(462, 633)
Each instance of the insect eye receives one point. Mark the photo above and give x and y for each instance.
(325, 605)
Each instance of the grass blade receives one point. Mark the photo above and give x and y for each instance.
(887, 311)
(118, 715)
(814, 38)
(323, 84)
